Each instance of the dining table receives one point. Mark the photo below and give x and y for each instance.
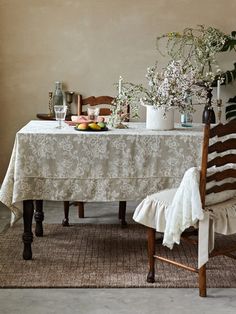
(66, 164)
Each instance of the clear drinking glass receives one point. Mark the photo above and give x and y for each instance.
(93, 113)
(60, 115)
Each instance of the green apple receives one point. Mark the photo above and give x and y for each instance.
(101, 124)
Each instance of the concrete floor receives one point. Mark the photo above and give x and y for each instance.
(104, 301)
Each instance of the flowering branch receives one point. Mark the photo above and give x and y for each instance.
(172, 88)
(199, 47)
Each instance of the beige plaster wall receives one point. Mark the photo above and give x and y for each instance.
(87, 44)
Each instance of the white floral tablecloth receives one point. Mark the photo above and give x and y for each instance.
(120, 164)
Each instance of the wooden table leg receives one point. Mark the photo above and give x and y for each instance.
(122, 213)
(81, 209)
(65, 221)
(39, 217)
(27, 237)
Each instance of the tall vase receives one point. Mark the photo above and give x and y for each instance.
(155, 119)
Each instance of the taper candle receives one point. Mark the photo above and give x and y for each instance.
(218, 90)
(120, 84)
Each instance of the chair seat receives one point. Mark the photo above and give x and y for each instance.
(151, 212)
(223, 216)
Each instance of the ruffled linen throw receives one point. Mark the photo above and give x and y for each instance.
(185, 209)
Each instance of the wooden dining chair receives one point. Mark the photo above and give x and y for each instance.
(217, 180)
(105, 104)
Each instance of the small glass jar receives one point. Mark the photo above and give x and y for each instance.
(186, 119)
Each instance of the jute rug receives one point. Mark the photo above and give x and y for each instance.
(100, 256)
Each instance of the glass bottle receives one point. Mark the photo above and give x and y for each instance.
(58, 95)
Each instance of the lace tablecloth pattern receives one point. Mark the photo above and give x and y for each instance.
(120, 164)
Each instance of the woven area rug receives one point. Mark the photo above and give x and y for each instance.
(99, 256)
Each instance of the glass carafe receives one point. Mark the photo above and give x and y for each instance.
(58, 95)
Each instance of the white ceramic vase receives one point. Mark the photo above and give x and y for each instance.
(155, 119)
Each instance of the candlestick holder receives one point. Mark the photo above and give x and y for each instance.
(69, 100)
(219, 108)
(50, 104)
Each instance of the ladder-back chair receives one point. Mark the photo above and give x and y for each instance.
(217, 177)
(105, 104)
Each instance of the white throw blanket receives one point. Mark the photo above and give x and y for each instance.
(185, 209)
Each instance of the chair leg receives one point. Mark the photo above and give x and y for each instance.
(65, 221)
(202, 281)
(151, 252)
(81, 209)
(39, 217)
(122, 213)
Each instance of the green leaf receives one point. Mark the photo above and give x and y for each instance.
(230, 108)
(229, 76)
(233, 33)
(230, 115)
(229, 45)
(232, 100)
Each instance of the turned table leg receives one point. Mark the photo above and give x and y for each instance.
(122, 213)
(27, 237)
(65, 221)
(39, 217)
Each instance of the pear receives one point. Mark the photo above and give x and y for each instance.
(83, 126)
(94, 126)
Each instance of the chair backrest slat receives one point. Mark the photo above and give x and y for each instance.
(222, 160)
(218, 159)
(222, 175)
(223, 129)
(103, 102)
(221, 147)
(222, 187)
(230, 109)
(100, 100)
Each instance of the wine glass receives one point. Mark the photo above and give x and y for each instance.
(60, 115)
(93, 113)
